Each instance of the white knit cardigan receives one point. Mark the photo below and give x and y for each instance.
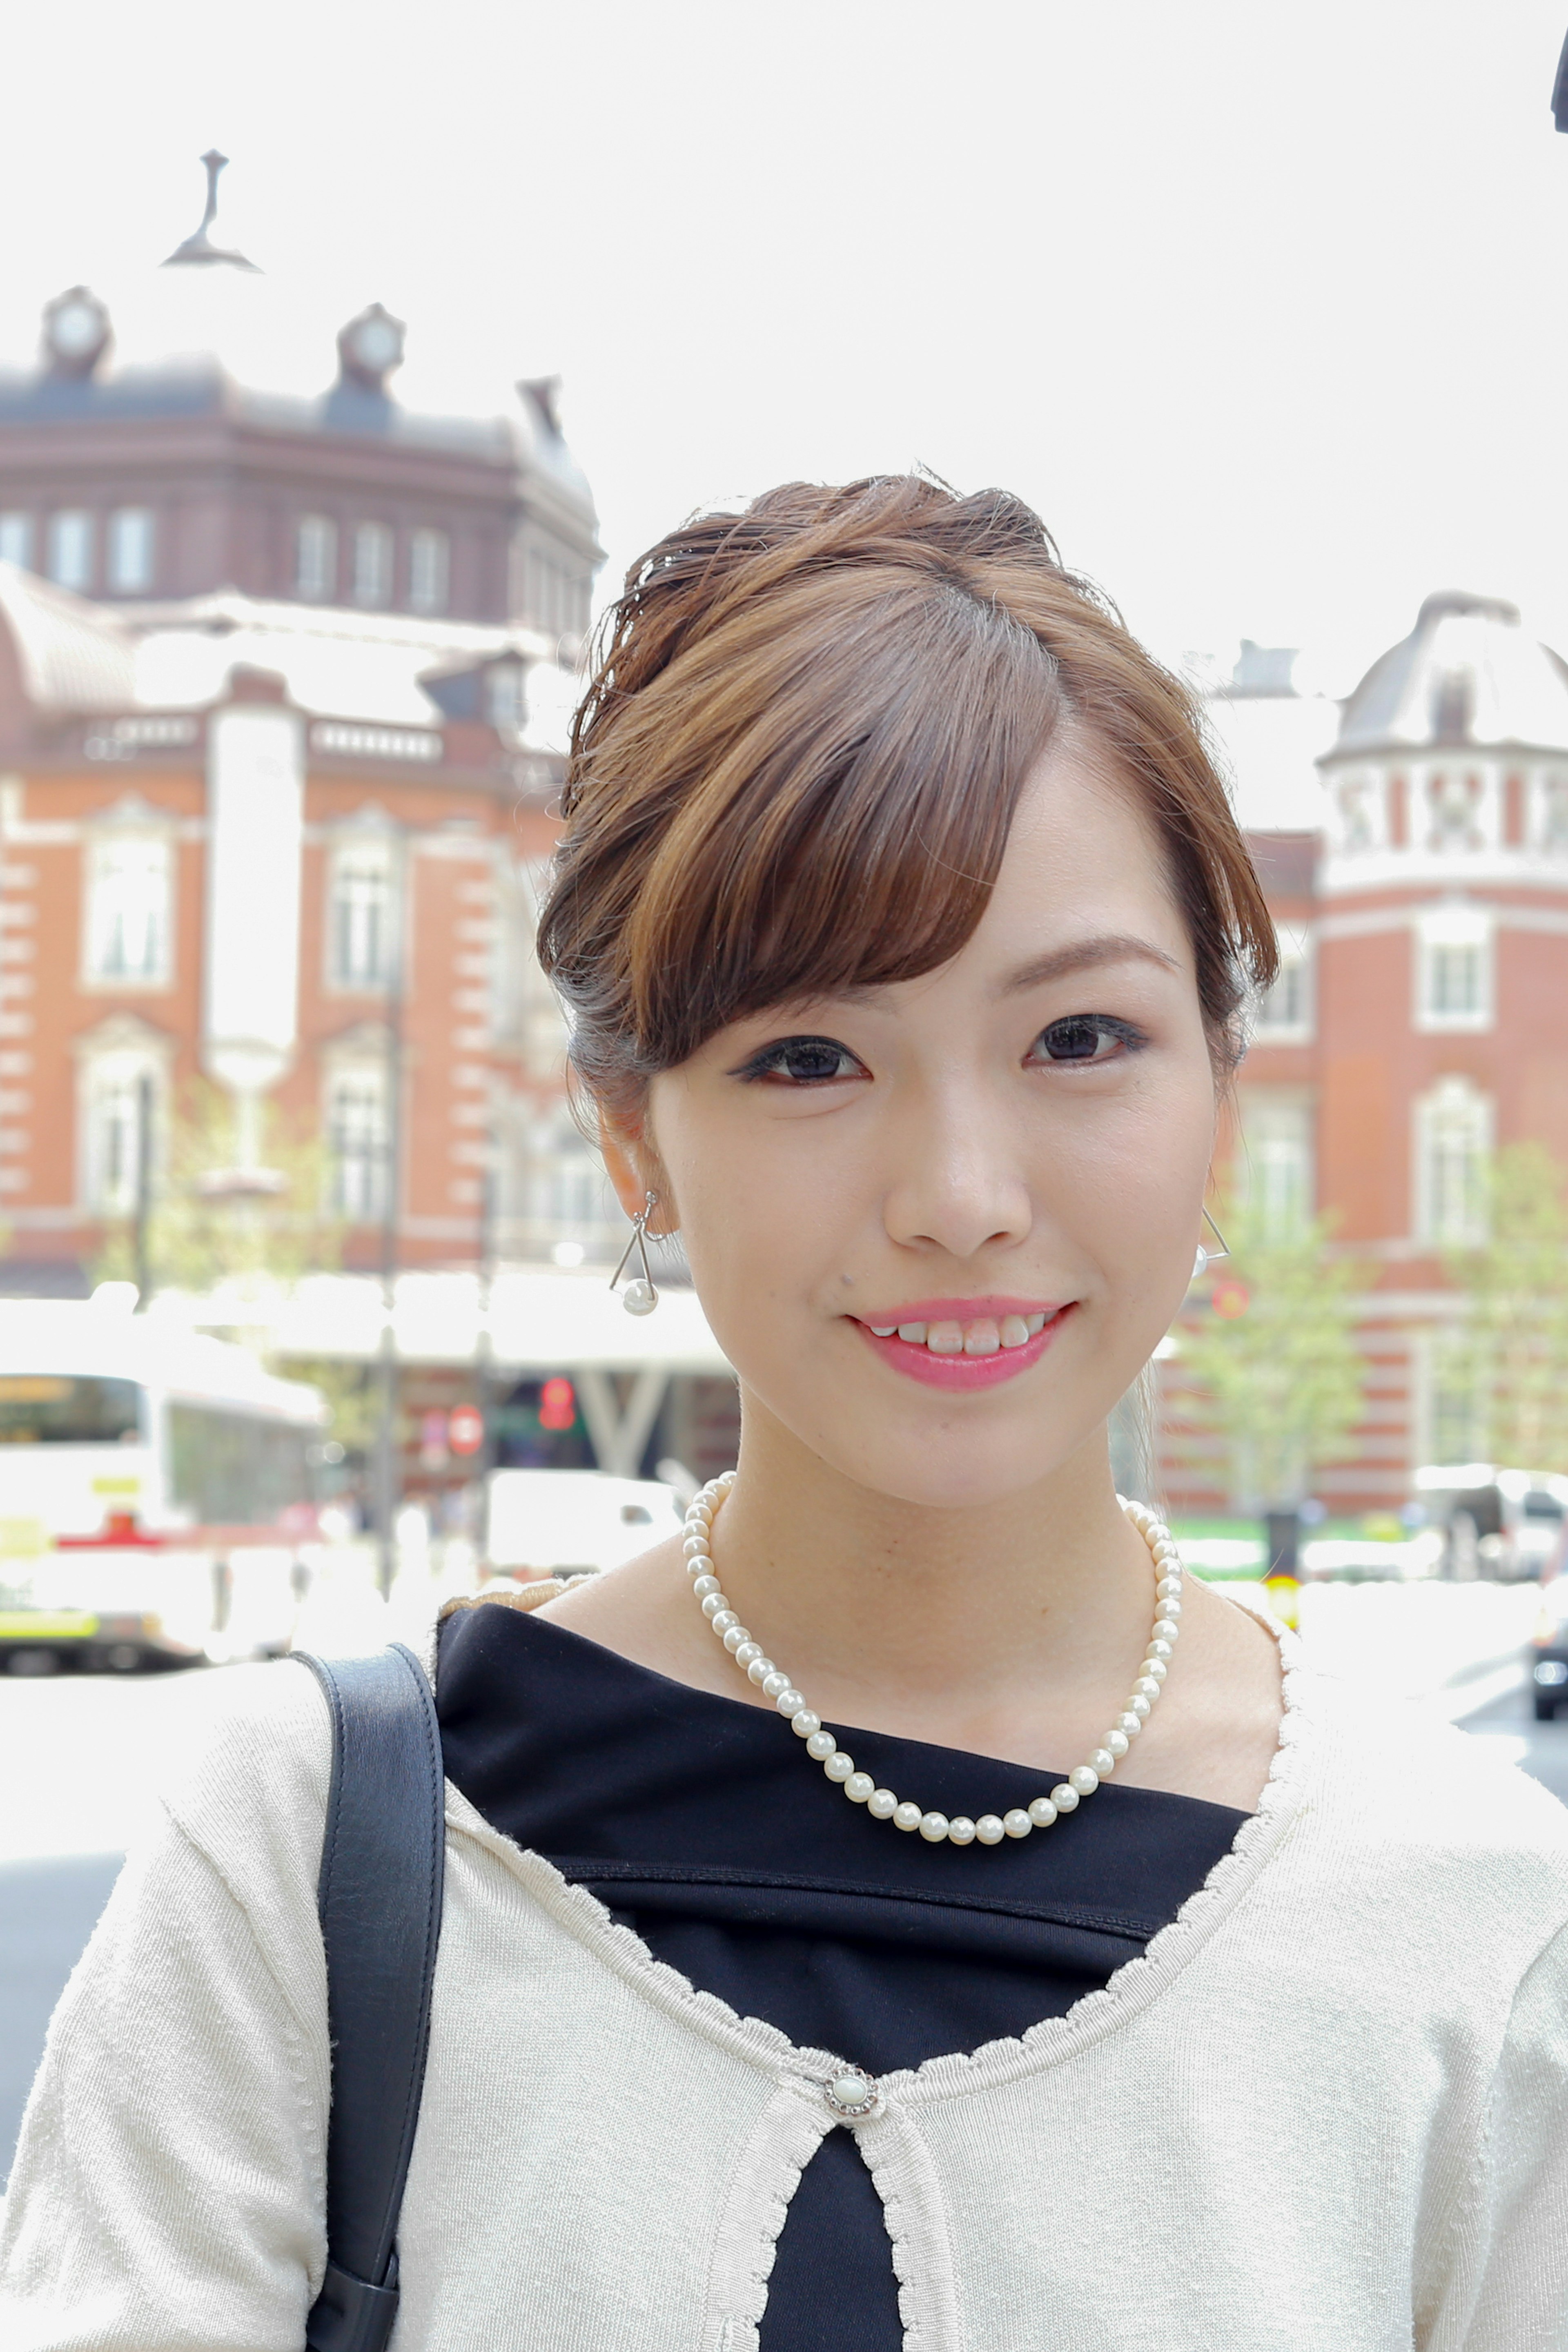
(1327, 2111)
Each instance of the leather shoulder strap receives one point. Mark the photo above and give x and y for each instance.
(379, 1897)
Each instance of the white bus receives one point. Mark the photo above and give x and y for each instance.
(155, 1491)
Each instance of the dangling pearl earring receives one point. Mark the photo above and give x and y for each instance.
(639, 1298)
(1206, 1257)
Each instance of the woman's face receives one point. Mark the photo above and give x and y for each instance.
(938, 1227)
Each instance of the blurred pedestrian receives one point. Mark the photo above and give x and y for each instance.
(1117, 1979)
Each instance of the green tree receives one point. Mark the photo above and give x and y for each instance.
(215, 1227)
(1509, 1354)
(1274, 1366)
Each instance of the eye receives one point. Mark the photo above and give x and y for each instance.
(1086, 1038)
(804, 1062)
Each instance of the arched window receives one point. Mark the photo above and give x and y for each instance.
(1452, 1141)
(129, 890)
(316, 559)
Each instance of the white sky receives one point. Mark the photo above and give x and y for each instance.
(1264, 307)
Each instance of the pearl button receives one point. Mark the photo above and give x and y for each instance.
(856, 2094)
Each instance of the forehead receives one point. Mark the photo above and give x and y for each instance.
(1083, 858)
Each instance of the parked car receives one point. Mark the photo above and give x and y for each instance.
(1503, 1524)
(542, 1522)
(1549, 1650)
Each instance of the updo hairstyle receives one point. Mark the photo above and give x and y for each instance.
(796, 767)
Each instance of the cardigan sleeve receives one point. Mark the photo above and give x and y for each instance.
(1516, 2295)
(168, 2185)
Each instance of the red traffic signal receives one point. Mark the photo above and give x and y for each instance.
(465, 1429)
(557, 1404)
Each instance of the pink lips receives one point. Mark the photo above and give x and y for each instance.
(963, 1372)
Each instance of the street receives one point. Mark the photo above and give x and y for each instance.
(82, 1757)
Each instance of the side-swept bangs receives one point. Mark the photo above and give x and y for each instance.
(796, 767)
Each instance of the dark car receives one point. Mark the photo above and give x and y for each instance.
(1549, 1650)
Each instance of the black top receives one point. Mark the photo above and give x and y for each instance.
(700, 1824)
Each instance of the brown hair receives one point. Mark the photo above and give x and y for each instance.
(795, 768)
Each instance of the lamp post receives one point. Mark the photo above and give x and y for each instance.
(387, 1482)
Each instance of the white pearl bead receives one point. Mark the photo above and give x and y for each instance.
(775, 1684)
(819, 1744)
(639, 1298)
(789, 1701)
(934, 1827)
(1146, 1686)
(858, 1787)
(988, 1829)
(1064, 1798)
(707, 1587)
(882, 1803)
(1102, 1761)
(1016, 1823)
(838, 1767)
(696, 1541)
(961, 1830)
(758, 1667)
(722, 1621)
(1129, 1724)
(1166, 1630)
(1161, 1652)
(736, 1639)
(1168, 1589)
(1137, 1704)
(1117, 1742)
(1155, 1670)
(804, 1724)
(713, 1603)
(1084, 1778)
(1172, 1607)
(907, 1816)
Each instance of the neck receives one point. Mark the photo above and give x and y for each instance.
(928, 1621)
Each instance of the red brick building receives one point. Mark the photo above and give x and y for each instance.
(1421, 1017)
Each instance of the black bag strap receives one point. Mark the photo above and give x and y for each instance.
(379, 1897)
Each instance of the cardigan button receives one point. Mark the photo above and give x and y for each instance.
(851, 2093)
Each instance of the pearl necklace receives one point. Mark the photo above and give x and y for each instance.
(859, 1787)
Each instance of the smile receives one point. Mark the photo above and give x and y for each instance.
(965, 1343)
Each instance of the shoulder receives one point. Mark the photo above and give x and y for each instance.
(252, 1792)
(1428, 1817)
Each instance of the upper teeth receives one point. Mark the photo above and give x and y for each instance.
(982, 1337)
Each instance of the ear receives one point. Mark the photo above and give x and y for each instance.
(633, 1182)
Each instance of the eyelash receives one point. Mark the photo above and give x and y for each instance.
(765, 1065)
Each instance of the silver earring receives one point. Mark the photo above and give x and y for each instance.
(1206, 1257)
(639, 1298)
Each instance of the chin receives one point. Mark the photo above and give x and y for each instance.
(958, 1464)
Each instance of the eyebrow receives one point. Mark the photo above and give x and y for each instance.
(1083, 955)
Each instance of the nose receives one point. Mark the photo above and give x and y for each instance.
(957, 1183)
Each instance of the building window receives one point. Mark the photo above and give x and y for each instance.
(362, 917)
(316, 559)
(70, 549)
(1454, 957)
(1278, 1134)
(128, 888)
(121, 1093)
(1284, 1014)
(130, 547)
(1552, 824)
(359, 1140)
(1454, 814)
(429, 570)
(507, 706)
(373, 564)
(1452, 1144)
(17, 539)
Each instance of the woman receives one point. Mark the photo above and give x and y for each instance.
(1101, 1986)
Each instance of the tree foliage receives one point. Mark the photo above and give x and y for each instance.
(1509, 1353)
(1282, 1379)
(203, 1235)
